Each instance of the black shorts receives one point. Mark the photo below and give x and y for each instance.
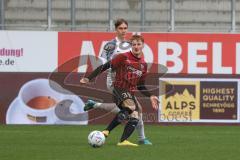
(119, 95)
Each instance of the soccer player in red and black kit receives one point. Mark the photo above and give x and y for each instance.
(131, 70)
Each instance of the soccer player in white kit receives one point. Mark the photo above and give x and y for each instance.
(117, 46)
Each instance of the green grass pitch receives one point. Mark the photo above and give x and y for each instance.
(70, 143)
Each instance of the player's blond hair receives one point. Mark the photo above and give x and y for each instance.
(137, 37)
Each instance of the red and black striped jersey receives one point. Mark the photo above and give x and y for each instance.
(130, 71)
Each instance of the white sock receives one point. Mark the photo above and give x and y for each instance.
(97, 105)
(140, 128)
(112, 107)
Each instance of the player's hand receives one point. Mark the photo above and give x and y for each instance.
(84, 80)
(154, 100)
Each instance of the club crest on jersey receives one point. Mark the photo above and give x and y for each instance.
(109, 46)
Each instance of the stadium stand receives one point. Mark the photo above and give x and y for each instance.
(190, 15)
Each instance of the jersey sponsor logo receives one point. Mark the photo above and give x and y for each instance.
(134, 71)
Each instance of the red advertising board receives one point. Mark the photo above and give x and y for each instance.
(180, 53)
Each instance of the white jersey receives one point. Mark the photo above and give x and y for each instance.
(110, 50)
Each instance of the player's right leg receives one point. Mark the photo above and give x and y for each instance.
(129, 110)
(129, 129)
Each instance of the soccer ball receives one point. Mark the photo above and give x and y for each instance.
(96, 139)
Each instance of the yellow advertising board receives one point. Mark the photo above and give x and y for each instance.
(198, 100)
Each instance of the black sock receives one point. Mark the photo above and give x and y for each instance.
(129, 128)
(120, 117)
(115, 122)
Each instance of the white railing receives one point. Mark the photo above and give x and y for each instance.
(73, 23)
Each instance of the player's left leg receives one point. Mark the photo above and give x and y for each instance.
(140, 128)
(111, 107)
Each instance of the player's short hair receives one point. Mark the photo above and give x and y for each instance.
(137, 37)
(120, 21)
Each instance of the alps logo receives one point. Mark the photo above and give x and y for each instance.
(183, 96)
(181, 103)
